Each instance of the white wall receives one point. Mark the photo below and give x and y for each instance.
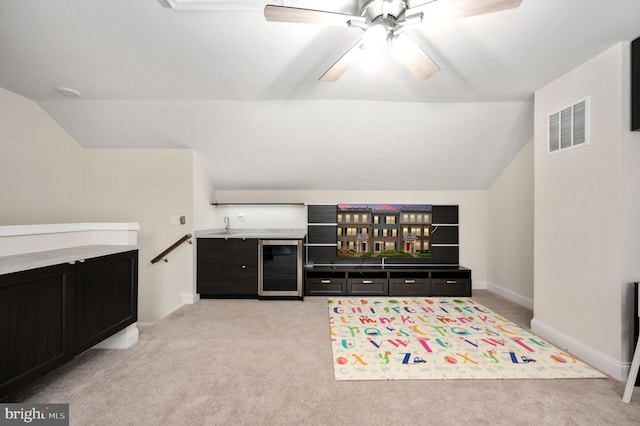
(41, 166)
(630, 225)
(147, 186)
(510, 230)
(203, 195)
(473, 211)
(46, 177)
(581, 212)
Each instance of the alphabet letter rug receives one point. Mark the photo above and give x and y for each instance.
(439, 338)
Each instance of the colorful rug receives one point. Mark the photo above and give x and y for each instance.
(439, 338)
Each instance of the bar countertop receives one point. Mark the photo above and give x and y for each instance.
(260, 234)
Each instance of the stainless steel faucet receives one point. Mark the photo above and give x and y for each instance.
(227, 226)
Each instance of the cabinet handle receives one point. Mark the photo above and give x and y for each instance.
(325, 281)
(409, 281)
(244, 266)
(452, 282)
(367, 281)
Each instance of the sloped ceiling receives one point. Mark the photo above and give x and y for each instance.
(244, 93)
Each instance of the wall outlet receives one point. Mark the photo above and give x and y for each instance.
(241, 216)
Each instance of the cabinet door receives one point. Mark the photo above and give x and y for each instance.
(227, 267)
(106, 297)
(243, 280)
(35, 324)
(212, 258)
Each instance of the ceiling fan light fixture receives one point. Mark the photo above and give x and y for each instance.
(384, 23)
(375, 38)
(370, 60)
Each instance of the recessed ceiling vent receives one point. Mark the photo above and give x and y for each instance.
(568, 127)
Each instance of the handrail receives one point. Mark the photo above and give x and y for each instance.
(170, 248)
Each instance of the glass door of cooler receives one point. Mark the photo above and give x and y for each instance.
(280, 268)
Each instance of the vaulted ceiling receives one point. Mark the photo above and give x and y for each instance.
(215, 76)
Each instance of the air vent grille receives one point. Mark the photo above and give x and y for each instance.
(568, 127)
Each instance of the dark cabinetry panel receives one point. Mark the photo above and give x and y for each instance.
(48, 315)
(322, 234)
(322, 213)
(106, 300)
(635, 84)
(368, 282)
(419, 281)
(444, 234)
(35, 324)
(227, 267)
(321, 253)
(444, 214)
(409, 283)
(445, 254)
(450, 283)
(325, 283)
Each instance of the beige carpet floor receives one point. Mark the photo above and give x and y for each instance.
(237, 362)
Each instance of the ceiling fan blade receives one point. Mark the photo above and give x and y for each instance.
(464, 8)
(409, 53)
(453, 9)
(337, 69)
(309, 16)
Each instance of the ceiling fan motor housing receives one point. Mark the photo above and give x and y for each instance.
(376, 10)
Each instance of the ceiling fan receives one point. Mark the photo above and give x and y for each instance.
(384, 23)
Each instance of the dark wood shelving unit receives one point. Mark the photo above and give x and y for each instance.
(438, 275)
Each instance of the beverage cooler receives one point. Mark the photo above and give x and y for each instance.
(280, 269)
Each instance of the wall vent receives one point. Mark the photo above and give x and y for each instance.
(568, 127)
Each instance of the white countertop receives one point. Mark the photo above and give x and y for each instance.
(56, 228)
(26, 261)
(261, 234)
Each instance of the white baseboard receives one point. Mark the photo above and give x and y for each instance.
(607, 365)
(189, 298)
(121, 340)
(511, 295)
(478, 285)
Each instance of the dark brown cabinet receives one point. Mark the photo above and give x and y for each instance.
(227, 267)
(105, 299)
(372, 281)
(50, 314)
(36, 324)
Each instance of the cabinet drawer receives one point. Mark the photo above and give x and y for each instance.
(325, 286)
(243, 251)
(368, 286)
(409, 287)
(451, 287)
